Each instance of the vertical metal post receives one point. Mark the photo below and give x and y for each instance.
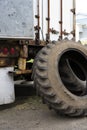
(74, 17)
(48, 17)
(37, 28)
(61, 18)
(23, 55)
(42, 15)
(42, 21)
(38, 11)
(48, 22)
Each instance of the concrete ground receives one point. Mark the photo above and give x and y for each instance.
(28, 113)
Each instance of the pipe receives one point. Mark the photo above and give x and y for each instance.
(48, 22)
(61, 18)
(49, 17)
(74, 17)
(42, 22)
(37, 28)
(42, 16)
(38, 12)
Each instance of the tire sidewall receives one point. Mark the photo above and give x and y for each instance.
(54, 77)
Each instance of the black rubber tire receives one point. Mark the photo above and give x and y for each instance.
(49, 83)
(34, 67)
(69, 77)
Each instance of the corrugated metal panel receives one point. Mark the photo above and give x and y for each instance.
(16, 19)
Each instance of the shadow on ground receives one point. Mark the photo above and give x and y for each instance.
(23, 94)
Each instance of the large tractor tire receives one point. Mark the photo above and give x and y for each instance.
(51, 82)
(70, 78)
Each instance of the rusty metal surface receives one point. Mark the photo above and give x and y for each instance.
(22, 64)
(9, 58)
(9, 44)
(48, 22)
(16, 19)
(5, 62)
(19, 72)
(32, 43)
(37, 27)
(23, 72)
(61, 18)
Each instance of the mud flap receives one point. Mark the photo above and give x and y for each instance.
(7, 94)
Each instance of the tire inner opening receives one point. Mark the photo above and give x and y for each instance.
(77, 70)
(73, 61)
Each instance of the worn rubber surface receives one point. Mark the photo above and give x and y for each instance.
(68, 76)
(70, 79)
(49, 81)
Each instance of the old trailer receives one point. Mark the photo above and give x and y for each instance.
(18, 19)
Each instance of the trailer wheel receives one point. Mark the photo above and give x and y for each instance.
(49, 78)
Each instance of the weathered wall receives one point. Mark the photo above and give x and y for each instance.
(16, 18)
